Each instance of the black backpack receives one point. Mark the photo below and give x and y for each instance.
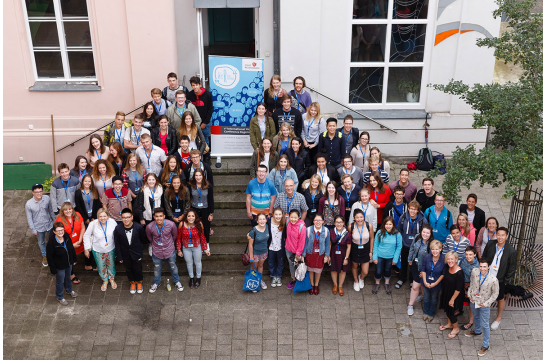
(425, 161)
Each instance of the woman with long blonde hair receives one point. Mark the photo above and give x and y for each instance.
(189, 127)
(273, 95)
(282, 140)
(313, 126)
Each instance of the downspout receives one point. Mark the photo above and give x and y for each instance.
(276, 36)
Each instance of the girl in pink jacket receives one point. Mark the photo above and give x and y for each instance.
(294, 237)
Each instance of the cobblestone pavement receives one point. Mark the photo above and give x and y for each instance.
(220, 321)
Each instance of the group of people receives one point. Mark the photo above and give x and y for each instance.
(319, 193)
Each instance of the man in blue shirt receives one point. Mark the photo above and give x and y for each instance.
(330, 143)
(439, 218)
(260, 195)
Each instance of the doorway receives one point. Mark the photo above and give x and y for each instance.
(228, 32)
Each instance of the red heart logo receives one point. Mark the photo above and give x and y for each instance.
(254, 64)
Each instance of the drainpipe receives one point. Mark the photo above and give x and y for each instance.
(276, 36)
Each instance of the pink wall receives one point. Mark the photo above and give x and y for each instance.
(132, 55)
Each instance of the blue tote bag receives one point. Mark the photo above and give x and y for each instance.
(252, 279)
(302, 285)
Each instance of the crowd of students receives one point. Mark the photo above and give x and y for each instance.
(319, 193)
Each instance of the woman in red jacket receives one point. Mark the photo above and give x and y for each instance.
(380, 195)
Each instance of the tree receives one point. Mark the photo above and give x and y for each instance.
(514, 154)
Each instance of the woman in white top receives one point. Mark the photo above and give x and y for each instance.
(102, 176)
(99, 239)
(313, 126)
(263, 155)
(369, 212)
(96, 150)
(361, 251)
(362, 152)
(383, 164)
(149, 198)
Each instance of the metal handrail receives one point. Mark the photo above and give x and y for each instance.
(97, 129)
(349, 108)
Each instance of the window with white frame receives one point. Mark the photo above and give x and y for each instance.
(60, 39)
(387, 51)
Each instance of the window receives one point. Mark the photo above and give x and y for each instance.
(60, 39)
(388, 51)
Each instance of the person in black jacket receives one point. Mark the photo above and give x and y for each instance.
(350, 135)
(476, 216)
(325, 171)
(87, 200)
(503, 266)
(171, 140)
(196, 163)
(396, 207)
(288, 114)
(298, 159)
(128, 238)
(330, 142)
(60, 257)
(202, 100)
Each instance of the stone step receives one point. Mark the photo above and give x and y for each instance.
(229, 234)
(230, 183)
(230, 217)
(232, 166)
(230, 200)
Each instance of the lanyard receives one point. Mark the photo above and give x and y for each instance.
(160, 232)
(309, 126)
(348, 196)
(436, 218)
(98, 156)
(338, 238)
(287, 118)
(313, 196)
(66, 187)
(432, 266)
(317, 239)
(360, 232)
(351, 171)
(103, 182)
(177, 205)
(178, 110)
(364, 210)
(498, 253)
(88, 196)
(118, 135)
(331, 205)
(411, 223)
(63, 243)
(138, 137)
(481, 283)
(199, 190)
(276, 98)
(172, 173)
(289, 202)
(375, 195)
(283, 175)
(152, 198)
(420, 247)
(454, 244)
(298, 98)
(134, 175)
(488, 234)
(104, 231)
(190, 230)
(363, 154)
(82, 174)
(322, 175)
(146, 153)
(71, 222)
(348, 136)
(260, 188)
(118, 198)
(160, 106)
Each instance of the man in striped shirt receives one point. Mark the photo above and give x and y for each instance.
(373, 164)
(260, 195)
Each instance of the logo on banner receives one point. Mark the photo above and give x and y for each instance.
(251, 65)
(225, 76)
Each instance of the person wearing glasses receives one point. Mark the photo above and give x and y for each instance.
(61, 256)
(40, 215)
(439, 218)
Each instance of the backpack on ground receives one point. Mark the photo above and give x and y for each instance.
(425, 161)
(439, 160)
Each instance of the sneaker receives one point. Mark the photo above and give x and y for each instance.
(483, 351)
(139, 288)
(73, 294)
(471, 333)
(44, 262)
(290, 285)
(375, 288)
(388, 289)
(425, 317)
(133, 287)
(179, 286)
(398, 284)
(356, 286)
(153, 287)
(419, 298)
(279, 281)
(263, 285)
(62, 302)
(360, 282)
(495, 325)
(410, 310)
(273, 282)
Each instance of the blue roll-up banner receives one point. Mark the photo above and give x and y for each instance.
(236, 85)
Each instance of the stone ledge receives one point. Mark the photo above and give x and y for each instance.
(52, 86)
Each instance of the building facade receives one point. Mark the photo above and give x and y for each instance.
(79, 62)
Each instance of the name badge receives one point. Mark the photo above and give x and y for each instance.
(148, 169)
(159, 243)
(360, 246)
(316, 250)
(74, 235)
(435, 231)
(189, 245)
(347, 209)
(495, 267)
(66, 200)
(431, 278)
(90, 211)
(411, 237)
(199, 204)
(136, 189)
(478, 296)
(338, 252)
(177, 210)
(416, 259)
(458, 263)
(313, 210)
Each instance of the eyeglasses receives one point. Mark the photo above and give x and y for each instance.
(126, 217)
(436, 200)
(38, 191)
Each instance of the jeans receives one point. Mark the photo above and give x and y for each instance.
(290, 255)
(41, 241)
(206, 133)
(193, 255)
(383, 266)
(481, 316)
(158, 266)
(278, 258)
(63, 280)
(431, 296)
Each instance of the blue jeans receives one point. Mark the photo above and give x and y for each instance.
(206, 133)
(278, 258)
(41, 241)
(63, 280)
(431, 296)
(384, 266)
(481, 316)
(193, 255)
(158, 266)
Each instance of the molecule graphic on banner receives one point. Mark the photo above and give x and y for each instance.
(237, 110)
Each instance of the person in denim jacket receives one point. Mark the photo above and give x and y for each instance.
(316, 252)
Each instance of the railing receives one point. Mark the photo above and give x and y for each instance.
(97, 129)
(349, 108)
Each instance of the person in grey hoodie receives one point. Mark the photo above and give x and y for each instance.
(176, 110)
(410, 225)
(63, 188)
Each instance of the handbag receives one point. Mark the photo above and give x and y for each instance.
(301, 271)
(302, 285)
(252, 279)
